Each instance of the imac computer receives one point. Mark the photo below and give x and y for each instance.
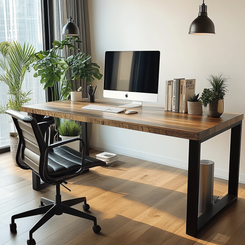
(132, 75)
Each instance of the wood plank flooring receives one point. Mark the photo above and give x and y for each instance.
(136, 202)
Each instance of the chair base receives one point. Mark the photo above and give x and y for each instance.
(50, 208)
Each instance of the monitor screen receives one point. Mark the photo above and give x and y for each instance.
(131, 75)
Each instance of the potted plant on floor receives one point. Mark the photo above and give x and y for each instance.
(194, 105)
(213, 98)
(14, 62)
(70, 129)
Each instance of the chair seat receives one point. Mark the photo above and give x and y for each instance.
(63, 159)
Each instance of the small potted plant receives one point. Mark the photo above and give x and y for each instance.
(194, 105)
(70, 129)
(213, 98)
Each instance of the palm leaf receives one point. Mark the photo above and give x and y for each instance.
(14, 62)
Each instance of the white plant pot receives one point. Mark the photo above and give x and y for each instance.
(74, 145)
(13, 142)
(76, 96)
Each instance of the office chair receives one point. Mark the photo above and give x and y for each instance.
(54, 164)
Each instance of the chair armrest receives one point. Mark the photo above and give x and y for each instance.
(50, 179)
(63, 142)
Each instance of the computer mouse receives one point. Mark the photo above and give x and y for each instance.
(131, 112)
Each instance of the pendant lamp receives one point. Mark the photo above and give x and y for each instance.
(70, 29)
(202, 25)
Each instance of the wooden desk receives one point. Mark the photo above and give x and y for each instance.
(154, 119)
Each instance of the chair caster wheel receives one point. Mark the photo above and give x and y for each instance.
(41, 204)
(31, 242)
(86, 207)
(13, 228)
(96, 228)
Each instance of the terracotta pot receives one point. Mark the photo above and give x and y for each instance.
(194, 108)
(215, 109)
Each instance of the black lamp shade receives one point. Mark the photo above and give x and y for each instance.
(70, 29)
(202, 24)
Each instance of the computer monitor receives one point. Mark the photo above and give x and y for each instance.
(132, 75)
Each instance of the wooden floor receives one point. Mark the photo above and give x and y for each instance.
(136, 202)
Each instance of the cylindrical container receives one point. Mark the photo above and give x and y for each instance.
(14, 142)
(194, 107)
(76, 96)
(91, 98)
(206, 185)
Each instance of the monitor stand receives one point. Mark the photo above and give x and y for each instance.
(134, 104)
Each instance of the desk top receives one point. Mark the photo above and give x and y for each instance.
(152, 119)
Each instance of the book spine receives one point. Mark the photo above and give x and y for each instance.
(181, 87)
(176, 93)
(166, 96)
(170, 94)
(184, 95)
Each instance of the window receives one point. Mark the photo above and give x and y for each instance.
(20, 20)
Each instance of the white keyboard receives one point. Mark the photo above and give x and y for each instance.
(104, 108)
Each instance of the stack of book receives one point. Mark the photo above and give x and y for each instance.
(178, 91)
(107, 157)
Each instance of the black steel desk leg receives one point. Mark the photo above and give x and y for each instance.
(85, 137)
(193, 188)
(235, 147)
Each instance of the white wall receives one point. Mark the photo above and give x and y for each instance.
(163, 25)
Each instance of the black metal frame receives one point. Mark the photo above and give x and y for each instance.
(194, 223)
(85, 137)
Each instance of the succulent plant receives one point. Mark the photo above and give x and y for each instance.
(216, 92)
(194, 98)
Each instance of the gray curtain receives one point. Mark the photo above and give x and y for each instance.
(60, 18)
(78, 10)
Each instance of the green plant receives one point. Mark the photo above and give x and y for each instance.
(206, 97)
(69, 128)
(14, 62)
(57, 72)
(216, 92)
(194, 98)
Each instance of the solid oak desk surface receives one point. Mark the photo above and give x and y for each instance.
(154, 119)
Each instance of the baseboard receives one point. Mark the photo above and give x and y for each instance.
(144, 156)
(242, 178)
(218, 173)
